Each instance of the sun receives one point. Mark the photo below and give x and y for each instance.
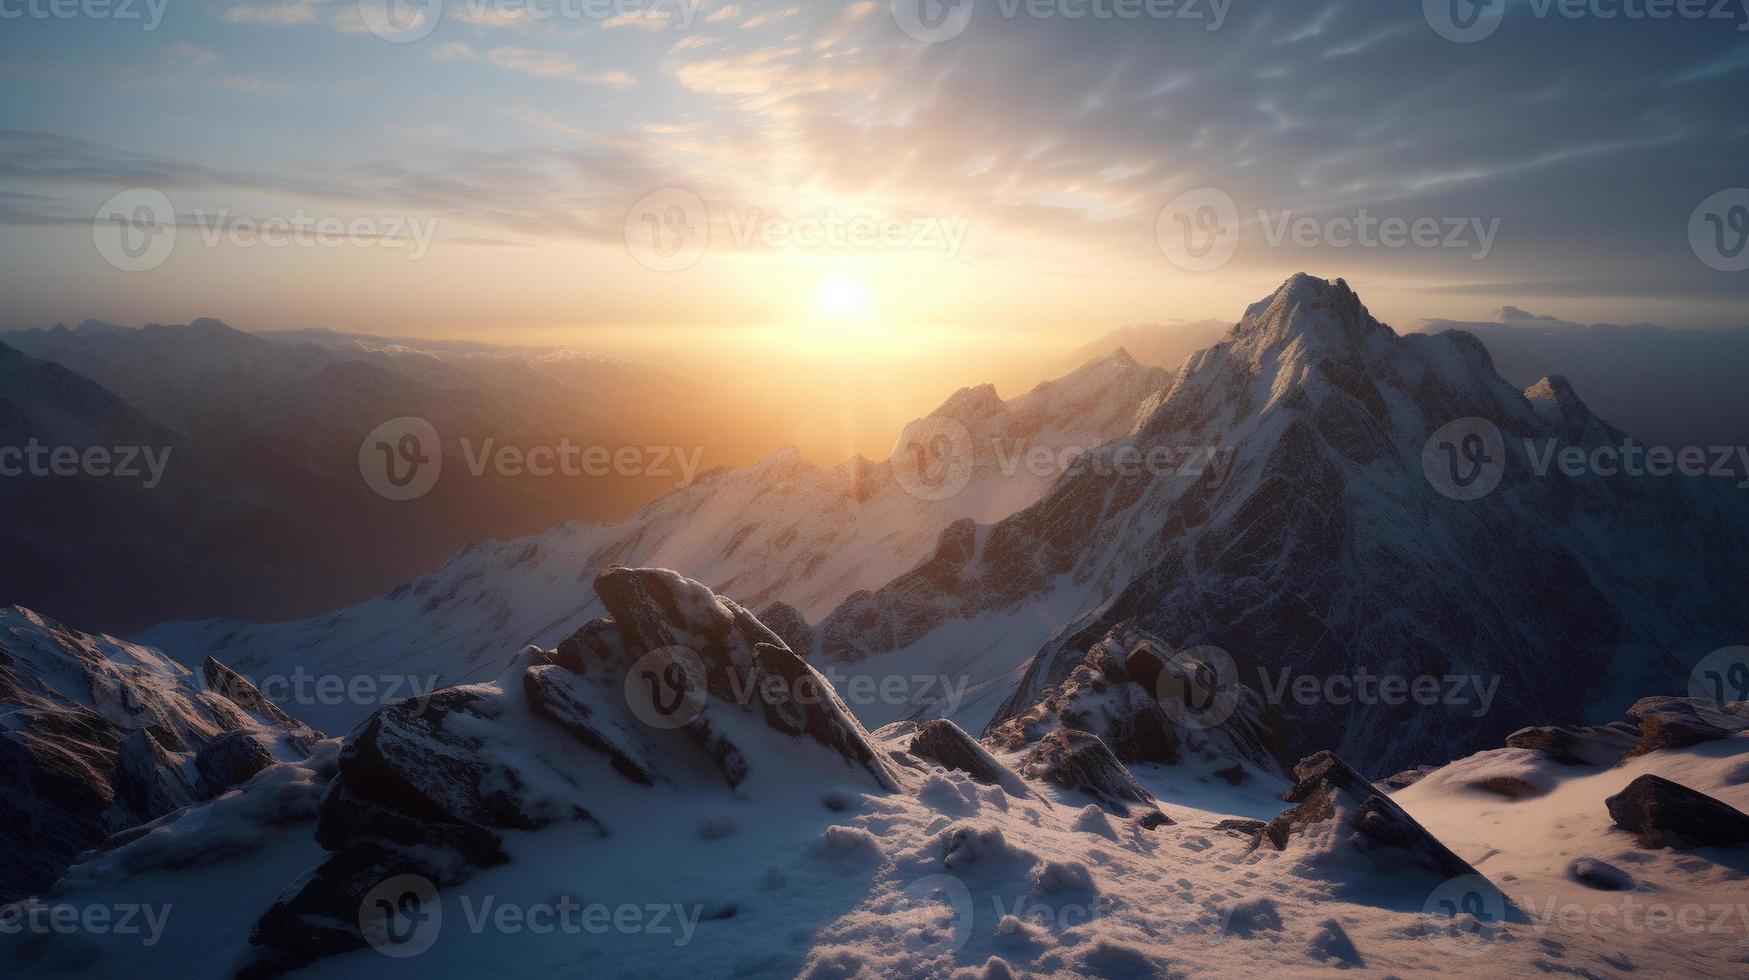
(844, 297)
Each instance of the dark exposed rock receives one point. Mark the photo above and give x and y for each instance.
(1079, 761)
(1573, 745)
(320, 915)
(787, 622)
(944, 742)
(1662, 813)
(1327, 788)
(1242, 827)
(557, 694)
(1114, 693)
(1511, 787)
(596, 645)
(1674, 723)
(230, 760)
(1405, 779)
(1153, 820)
(1600, 875)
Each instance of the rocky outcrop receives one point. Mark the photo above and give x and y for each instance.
(1674, 723)
(98, 736)
(944, 742)
(427, 786)
(1578, 745)
(1328, 789)
(1662, 813)
(1080, 762)
(788, 623)
(1116, 693)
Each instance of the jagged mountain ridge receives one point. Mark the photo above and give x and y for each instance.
(783, 529)
(1327, 549)
(98, 735)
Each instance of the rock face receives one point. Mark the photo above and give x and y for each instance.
(944, 742)
(787, 622)
(1115, 693)
(1079, 761)
(1578, 745)
(1328, 541)
(98, 736)
(1661, 813)
(1329, 789)
(427, 786)
(1674, 723)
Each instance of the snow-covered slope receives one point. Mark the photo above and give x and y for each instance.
(98, 735)
(773, 846)
(781, 530)
(1331, 550)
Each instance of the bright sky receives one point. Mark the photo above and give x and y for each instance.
(624, 173)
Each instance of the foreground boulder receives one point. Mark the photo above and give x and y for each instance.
(1579, 745)
(1328, 789)
(1080, 762)
(100, 736)
(1675, 723)
(944, 742)
(427, 787)
(1662, 813)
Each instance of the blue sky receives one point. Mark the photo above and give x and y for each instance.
(1586, 141)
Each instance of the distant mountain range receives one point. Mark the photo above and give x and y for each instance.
(1270, 499)
(781, 530)
(262, 509)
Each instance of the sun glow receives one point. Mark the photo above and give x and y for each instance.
(844, 297)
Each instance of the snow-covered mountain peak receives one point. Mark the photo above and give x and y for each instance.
(1310, 314)
(1555, 400)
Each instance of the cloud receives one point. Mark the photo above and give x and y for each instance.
(289, 12)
